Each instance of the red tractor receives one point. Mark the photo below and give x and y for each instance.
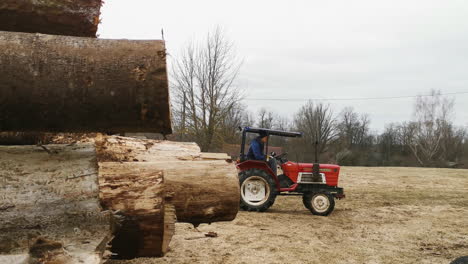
(259, 185)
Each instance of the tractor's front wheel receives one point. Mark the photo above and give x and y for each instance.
(258, 191)
(319, 203)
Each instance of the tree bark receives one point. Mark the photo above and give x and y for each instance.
(53, 195)
(57, 17)
(203, 187)
(69, 84)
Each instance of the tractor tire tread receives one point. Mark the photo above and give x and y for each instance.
(307, 201)
(273, 192)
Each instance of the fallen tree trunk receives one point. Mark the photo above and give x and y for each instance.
(58, 17)
(69, 84)
(203, 187)
(54, 191)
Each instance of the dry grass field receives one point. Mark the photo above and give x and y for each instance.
(390, 215)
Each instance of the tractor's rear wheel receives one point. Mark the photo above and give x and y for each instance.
(319, 203)
(258, 190)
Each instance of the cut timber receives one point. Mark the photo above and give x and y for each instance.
(121, 149)
(69, 84)
(55, 196)
(58, 17)
(140, 198)
(116, 148)
(202, 190)
(51, 198)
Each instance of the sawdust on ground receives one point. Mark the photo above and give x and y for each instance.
(390, 215)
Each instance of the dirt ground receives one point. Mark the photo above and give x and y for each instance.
(390, 215)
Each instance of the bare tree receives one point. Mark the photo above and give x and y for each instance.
(249, 119)
(353, 141)
(266, 118)
(464, 154)
(388, 142)
(430, 122)
(204, 88)
(280, 123)
(229, 126)
(452, 145)
(353, 129)
(317, 123)
(283, 123)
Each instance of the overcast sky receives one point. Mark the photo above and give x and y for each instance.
(321, 49)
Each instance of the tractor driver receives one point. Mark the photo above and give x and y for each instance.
(256, 150)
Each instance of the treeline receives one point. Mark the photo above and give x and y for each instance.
(208, 109)
(429, 140)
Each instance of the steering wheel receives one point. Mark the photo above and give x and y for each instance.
(281, 158)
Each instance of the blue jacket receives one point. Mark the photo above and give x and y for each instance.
(256, 150)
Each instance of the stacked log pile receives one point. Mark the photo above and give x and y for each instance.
(142, 186)
(203, 187)
(73, 202)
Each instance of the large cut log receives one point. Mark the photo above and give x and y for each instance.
(201, 191)
(140, 197)
(53, 207)
(203, 187)
(51, 197)
(70, 84)
(54, 195)
(58, 17)
(121, 149)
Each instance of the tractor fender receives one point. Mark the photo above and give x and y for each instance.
(258, 164)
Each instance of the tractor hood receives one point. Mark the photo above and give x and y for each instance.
(331, 171)
(307, 167)
(323, 167)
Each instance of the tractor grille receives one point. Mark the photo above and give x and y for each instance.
(309, 178)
